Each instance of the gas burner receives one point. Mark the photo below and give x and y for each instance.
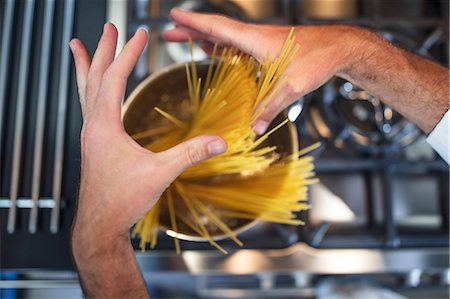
(349, 117)
(365, 112)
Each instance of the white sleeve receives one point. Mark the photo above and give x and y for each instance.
(439, 137)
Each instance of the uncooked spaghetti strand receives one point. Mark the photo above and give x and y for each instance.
(213, 97)
(277, 67)
(191, 225)
(261, 105)
(267, 78)
(155, 224)
(172, 118)
(262, 217)
(193, 66)
(289, 57)
(250, 204)
(165, 142)
(225, 69)
(304, 151)
(206, 117)
(151, 132)
(266, 135)
(148, 227)
(196, 217)
(219, 67)
(210, 72)
(219, 223)
(197, 94)
(264, 67)
(284, 52)
(255, 193)
(189, 84)
(173, 220)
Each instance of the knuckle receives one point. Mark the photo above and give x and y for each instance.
(293, 90)
(216, 18)
(269, 110)
(193, 155)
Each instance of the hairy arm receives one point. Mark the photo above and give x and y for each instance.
(414, 86)
(106, 265)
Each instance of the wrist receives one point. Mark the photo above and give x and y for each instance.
(106, 265)
(357, 45)
(88, 242)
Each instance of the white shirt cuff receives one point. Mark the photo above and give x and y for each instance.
(439, 137)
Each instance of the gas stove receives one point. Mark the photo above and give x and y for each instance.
(380, 211)
(374, 165)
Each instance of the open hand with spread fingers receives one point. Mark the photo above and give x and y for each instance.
(120, 180)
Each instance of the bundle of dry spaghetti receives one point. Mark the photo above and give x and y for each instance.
(251, 180)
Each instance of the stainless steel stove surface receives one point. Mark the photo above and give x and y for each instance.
(375, 167)
(379, 216)
(383, 190)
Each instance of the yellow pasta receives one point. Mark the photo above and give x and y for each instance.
(251, 180)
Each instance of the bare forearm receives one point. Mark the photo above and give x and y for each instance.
(412, 85)
(107, 266)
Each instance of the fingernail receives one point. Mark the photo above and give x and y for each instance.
(179, 10)
(71, 45)
(216, 147)
(143, 29)
(260, 127)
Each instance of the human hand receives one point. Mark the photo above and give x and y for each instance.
(324, 52)
(120, 180)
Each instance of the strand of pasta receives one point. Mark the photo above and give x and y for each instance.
(173, 220)
(210, 70)
(219, 223)
(151, 132)
(173, 119)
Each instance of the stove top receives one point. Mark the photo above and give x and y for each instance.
(386, 186)
(374, 165)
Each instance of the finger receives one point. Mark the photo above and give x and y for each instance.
(273, 105)
(193, 151)
(114, 81)
(220, 29)
(182, 34)
(82, 65)
(103, 57)
(209, 48)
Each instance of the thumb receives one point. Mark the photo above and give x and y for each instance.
(192, 152)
